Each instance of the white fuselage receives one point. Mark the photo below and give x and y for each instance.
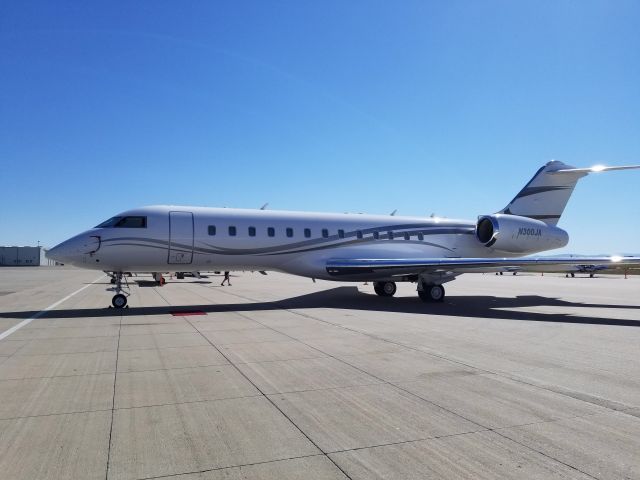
(187, 239)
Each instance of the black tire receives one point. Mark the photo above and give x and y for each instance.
(113, 281)
(385, 289)
(432, 293)
(119, 301)
(180, 275)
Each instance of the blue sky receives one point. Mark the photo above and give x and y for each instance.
(445, 107)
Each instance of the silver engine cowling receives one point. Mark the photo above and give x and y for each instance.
(516, 234)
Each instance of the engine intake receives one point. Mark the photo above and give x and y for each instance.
(516, 234)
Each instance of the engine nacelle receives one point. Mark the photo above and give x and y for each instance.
(515, 234)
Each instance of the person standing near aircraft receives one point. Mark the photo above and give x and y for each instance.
(226, 279)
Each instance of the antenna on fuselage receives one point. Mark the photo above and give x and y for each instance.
(264, 207)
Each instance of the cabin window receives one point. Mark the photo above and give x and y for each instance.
(212, 229)
(341, 233)
(289, 232)
(125, 222)
(407, 236)
(252, 231)
(271, 232)
(325, 233)
(390, 235)
(376, 235)
(420, 236)
(307, 233)
(359, 234)
(232, 231)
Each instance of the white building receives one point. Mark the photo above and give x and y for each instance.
(24, 257)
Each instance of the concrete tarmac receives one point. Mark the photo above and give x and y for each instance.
(277, 377)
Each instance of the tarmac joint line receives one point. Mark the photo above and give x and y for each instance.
(17, 327)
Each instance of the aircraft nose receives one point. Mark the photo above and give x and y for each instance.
(70, 250)
(60, 253)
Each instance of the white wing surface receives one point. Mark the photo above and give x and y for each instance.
(407, 266)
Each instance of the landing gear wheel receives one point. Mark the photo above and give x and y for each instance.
(385, 289)
(180, 275)
(113, 280)
(119, 301)
(431, 293)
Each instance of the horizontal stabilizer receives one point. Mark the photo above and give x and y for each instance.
(594, 169)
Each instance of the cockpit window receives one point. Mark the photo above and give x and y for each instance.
(109, 223)
(125, 222)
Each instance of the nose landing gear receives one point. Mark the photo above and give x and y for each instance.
(119, 300)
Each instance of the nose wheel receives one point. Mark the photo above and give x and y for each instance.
(119, 300)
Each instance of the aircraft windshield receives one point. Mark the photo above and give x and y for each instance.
(109, 223)
(125, 222)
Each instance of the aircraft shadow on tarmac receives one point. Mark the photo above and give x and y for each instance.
(349, 298)
(152, 283)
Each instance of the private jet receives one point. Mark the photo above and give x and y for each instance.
(381, 249)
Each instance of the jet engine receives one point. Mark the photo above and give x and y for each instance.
(516, 234)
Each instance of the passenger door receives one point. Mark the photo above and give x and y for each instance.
(180, 237)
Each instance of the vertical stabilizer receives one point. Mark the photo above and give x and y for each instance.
(547, 193)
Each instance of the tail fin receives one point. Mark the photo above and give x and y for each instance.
(547, 193)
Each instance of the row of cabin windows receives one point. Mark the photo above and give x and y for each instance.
(271, 232)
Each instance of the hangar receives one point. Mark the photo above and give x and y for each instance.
(24, 257)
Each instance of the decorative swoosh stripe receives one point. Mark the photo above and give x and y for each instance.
(307, 245)
(527, 191)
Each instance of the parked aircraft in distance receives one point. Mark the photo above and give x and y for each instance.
(348, 247)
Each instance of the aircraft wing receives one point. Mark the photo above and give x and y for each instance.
(414, 266)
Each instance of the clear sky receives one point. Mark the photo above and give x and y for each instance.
(444, 107)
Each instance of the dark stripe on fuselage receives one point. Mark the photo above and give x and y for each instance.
(313, 244)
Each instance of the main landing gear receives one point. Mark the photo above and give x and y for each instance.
(385, 289)
(426, 292)
(119, 300)
(431, 293)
